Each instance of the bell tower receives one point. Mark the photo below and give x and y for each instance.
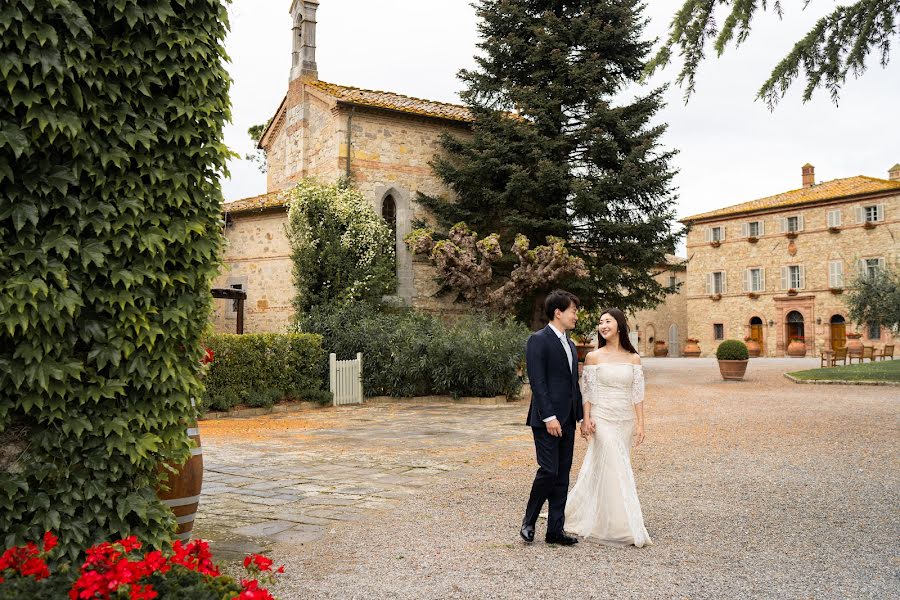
(303, 33)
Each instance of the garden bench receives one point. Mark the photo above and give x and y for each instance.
(887, 353)
(832, 357)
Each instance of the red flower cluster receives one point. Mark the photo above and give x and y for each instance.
(109, 568)
(208, 356)
(29, 560)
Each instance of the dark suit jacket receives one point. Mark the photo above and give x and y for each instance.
(554, 387)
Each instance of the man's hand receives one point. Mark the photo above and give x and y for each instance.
(554, 428)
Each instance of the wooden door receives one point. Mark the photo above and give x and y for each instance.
(756, 334)
(838, 336)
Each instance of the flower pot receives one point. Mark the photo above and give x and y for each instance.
(753, 348)
(834, 230)
(836, 291)
(715, 297)
(854, 346)
(791, 235)
(691, 349)
(733, 369)
(583, 350)
(868, 225)
(715, 244)
(183, 495)
(752, 239)
(660, 348)
(792, 292)
(796, 349)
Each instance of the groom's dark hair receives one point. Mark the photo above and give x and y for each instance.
(560, 299)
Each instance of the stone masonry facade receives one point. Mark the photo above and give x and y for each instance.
(779, 269)
(668, 321)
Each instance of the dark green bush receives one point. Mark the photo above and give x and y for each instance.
(411, 354)
(732, 350)
(111, 155)
(258, 369)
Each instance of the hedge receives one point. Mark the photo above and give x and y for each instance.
(111, 155)
(259, 369)
(411, 354)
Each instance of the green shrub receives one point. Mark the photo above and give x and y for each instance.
(342, 250)
(111, 156)
(411, 354)
(732, 350)
(258, 369)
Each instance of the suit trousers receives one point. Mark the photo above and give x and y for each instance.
(551, 484)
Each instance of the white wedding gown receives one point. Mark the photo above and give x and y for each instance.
(604, 505)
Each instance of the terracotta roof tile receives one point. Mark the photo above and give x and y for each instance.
(820, 192)
(257, 203)
(392, 101)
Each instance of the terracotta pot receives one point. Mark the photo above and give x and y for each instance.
(854, 346)
(796, 349)
(691, 349)
(753, 348)
(733, 369)
(660, 348)
(583, 350)
(183, 495)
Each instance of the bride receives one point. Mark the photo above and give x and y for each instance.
(604, 505)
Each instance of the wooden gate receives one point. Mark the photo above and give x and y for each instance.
(838, 335)
(345, 380)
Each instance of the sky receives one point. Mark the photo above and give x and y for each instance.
(731, 148)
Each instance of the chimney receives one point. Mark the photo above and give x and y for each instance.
(894, 173)
(303, 33)
(809, 175)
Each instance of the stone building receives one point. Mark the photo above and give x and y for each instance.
(668, 321)
(776, 268)
(381, 141)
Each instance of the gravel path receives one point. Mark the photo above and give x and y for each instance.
(754, 489)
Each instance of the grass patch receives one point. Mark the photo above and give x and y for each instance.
(885, 370)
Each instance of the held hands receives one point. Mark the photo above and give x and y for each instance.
(554, 428)
(587, 428)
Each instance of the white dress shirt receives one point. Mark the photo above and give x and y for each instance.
(565, 343)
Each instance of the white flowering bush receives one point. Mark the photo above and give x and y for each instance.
(342, 250)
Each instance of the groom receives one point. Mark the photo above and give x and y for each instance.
(552, 364)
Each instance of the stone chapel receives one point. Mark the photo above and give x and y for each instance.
(380, 141)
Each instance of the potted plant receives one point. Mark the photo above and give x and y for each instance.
(791, 235)
(869, 225)
(715, 297)
(836, 290)
(834, 230)
(797, 347)
(752, 295)
(715, 244)
(691, 348)
(792, 292)
(660, 348)
(752, 239)
(854, 345)
(733, 357)
(753, 347)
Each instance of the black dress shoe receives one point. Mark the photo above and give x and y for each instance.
(527, 533)
(561, 538)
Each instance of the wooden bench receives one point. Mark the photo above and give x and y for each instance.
(887, 353)
(867, 352)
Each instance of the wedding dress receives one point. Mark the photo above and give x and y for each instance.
(604, 505)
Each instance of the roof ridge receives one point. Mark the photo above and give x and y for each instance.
(361, 89)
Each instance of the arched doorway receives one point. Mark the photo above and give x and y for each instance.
(756, 333)
(389, 213)
(838, 332)
(794, 324)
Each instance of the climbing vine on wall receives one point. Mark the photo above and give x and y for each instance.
(110, 159)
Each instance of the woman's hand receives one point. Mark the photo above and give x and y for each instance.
(587, 428)
(638, 434)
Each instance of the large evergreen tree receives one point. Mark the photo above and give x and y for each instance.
(557, 149)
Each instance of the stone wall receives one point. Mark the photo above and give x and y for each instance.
(812, 248)
(257, 256)
(657, 323)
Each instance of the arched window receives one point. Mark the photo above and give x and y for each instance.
(389, 213)
(756, 321)
(794, 325)
(837, 319)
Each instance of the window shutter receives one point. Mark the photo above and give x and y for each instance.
(724, 285)
(748, 286)
(862, 266)
(802, 270)
(799, 222)
(709, 278)
(880, 264)
(722, 233)
(860, 214)
(707, 232)
(762, 279)
(784, 278)
(880, 212)
(745, 229)
(762, 228)
(833, 217)
(783, 221)
(832, 274)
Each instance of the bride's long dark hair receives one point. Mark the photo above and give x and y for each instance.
(624, 340)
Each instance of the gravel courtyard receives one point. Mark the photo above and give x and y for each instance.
(755, 489)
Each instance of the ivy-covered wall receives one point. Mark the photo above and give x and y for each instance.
(111, 117)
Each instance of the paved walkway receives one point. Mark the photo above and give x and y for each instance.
(760, 488)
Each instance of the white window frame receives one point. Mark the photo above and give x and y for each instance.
(786, 226)
(760, 229)
(787, 279)
(835, 273)
(711, 283)
(834, 218)
(712, 233)
(864, 265)
(748, 280)
(865, 211)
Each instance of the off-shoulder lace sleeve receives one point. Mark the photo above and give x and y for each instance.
(637, 384)
(588, 383)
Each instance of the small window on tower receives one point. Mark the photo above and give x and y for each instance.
(719, 331)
